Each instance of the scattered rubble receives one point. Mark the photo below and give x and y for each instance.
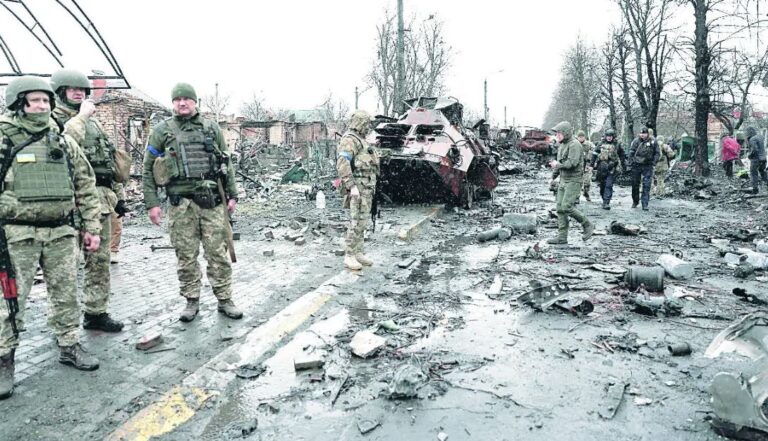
(366, 343)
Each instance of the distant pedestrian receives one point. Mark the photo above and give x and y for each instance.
(757, 157)
(643, 154)
(666, 154)
(608, 161)
(570, 165)
(731, 152)
(589, 148)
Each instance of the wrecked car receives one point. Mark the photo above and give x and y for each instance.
(427, 154)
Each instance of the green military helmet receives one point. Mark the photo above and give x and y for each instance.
(580, 133)
(610, 132)
(564, 127)
(360, 121)
(19, 87)
(64, 78)
(183, 90)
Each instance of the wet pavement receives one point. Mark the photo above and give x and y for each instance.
(490, 368)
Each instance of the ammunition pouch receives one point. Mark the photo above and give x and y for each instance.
(206, 200)
(104, 181)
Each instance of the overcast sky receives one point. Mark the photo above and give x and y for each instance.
(293, 52)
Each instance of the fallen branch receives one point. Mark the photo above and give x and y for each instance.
(489, 392)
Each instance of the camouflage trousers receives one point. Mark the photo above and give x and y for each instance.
(117, 232)
(57, 254)
(587, 179)
(359, 216)
(189, 227)
(568, 193)
(96, 280)
(660, 175)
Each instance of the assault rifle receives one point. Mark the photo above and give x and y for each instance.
(7, 273)
(230, 241)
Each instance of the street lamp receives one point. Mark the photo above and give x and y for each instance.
(485, 93)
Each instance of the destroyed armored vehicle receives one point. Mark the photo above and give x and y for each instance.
(427, 155)
(535, 140)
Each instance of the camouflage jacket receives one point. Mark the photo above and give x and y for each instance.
(162, 137)
(75, 126)
(357, 162)
(86, 197)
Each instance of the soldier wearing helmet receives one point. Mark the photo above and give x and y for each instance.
(46, 180)
(188, 155)
(588, 149)
(643, 155)
(606, 159)
(570, 165)
(358, 166)
(75, 112)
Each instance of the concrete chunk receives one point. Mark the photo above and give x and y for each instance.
(366, 343)
(149, 341)
(305, 362)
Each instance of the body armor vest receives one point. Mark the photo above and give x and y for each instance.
(40, 176)
(365, 162)
(608, 152)
(196, 153)
(100, 153)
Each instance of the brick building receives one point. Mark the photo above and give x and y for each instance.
(127, 116)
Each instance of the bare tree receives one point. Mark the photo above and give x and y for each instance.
(427, 60)
(216, 104)
(2, 100)
(622, 57)
(335, 111)
(578, 93)
(609, 71)
(255, 109)
(645, 21)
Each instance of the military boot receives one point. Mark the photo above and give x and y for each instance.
(101, 322)
(363, 259)
(586, 196)
(76, 356)
(6, 374)
(350, 262)
(606, 205)
(589, 230)
(228, 308)
(560, 239)
(190, 311)
(634, 204)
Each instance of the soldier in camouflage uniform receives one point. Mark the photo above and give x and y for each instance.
(588, 149)
(666, 154)
(46, 182)
(570, 165)
(188, 155)
(71, 89)
(358, 166)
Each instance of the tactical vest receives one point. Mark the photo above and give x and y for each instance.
(366, 162)
(644, 152)
(607, 152)
(100, 153)
(40, 176)
(197, 155)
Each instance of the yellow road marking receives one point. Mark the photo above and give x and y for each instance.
(182, 402)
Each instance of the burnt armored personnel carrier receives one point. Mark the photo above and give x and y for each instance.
(427, 155)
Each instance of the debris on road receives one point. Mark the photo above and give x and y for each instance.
(614, 395)
(406, 382)
(149, 341)
(676, 268)
(650, 278)
(366, 343)
(623, 229)
(679, 349)
(305, 362)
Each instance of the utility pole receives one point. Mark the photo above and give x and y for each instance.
(485, 99)
(216, 102)
(505, 117)
(356, 97)
(400, 60)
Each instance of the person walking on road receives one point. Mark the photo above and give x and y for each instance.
(46, 180)
(643, 155)
(357, 164)
(731, 152)
(608, 161)
(666, 154)
(187, 154)
(570, 165)
(589, 149)
(757, 157)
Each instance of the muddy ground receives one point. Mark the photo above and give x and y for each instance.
(477, 363)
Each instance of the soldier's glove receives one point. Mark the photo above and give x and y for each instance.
(120, 208)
